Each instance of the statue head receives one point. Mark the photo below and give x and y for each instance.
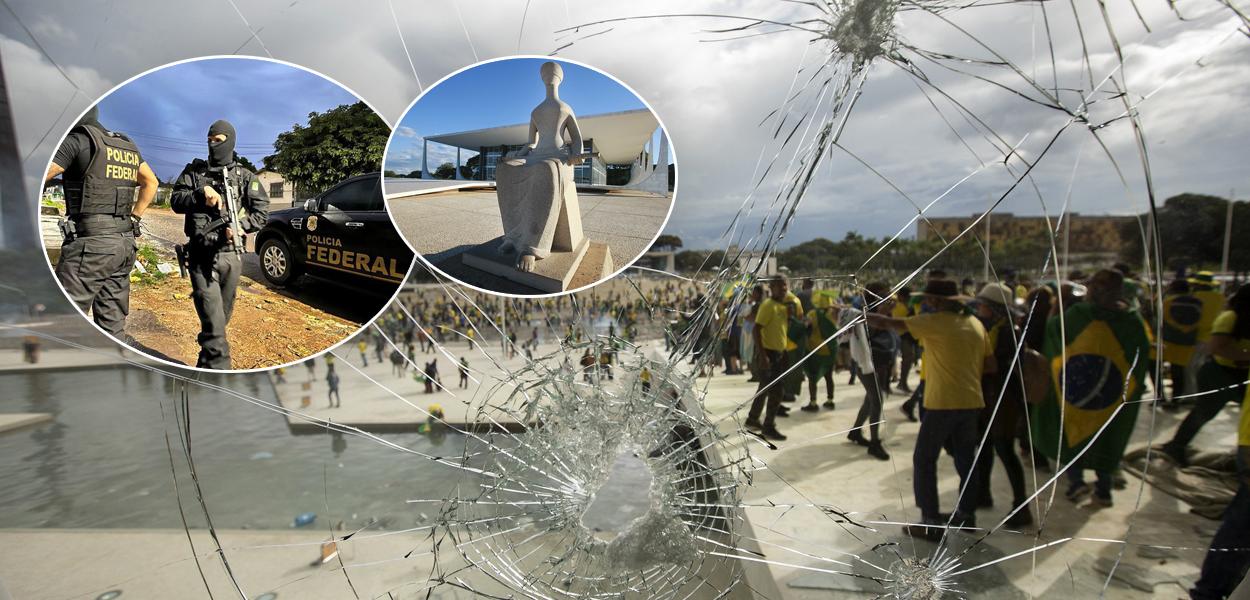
(551, 73)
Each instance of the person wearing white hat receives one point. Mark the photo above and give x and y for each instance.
(995, 307)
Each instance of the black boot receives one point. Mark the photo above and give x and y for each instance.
(876, 451)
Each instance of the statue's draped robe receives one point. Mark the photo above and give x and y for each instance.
(538, 203)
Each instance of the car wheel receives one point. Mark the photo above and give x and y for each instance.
(277, 262)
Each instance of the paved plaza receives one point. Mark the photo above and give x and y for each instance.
(816, 463)
(441, 226)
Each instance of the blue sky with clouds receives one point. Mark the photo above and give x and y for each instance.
(168, 112)
(494, 94)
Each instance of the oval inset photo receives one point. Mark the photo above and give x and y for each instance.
(528, 176)
(224, 213)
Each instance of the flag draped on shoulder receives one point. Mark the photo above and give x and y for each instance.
(822, 328)
(1182, 316)
(1098, 362)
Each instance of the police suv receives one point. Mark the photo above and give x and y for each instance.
(343, 234)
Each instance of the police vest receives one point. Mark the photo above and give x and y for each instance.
(110, 185)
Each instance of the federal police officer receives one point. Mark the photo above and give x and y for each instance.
(214, 252)
(107, 187)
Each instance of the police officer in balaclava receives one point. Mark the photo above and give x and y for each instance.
(107, 187)
(214, 251)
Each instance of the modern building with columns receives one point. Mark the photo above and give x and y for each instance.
(619, 138)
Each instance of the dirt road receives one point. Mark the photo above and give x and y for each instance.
(270, 326)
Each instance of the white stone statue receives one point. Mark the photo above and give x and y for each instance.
(537, 196)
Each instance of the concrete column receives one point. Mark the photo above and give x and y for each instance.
(647, 153)
(657, 179)
(458, 164)
(425, 153)
(661, 163)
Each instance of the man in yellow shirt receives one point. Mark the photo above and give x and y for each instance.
(771, 333)
(957, 354)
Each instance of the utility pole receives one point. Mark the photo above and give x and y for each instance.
(1228, 231)
(989, 216)
(1066, 225)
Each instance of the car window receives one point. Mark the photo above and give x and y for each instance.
(359, 195)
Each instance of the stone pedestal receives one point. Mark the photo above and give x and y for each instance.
(586, 263)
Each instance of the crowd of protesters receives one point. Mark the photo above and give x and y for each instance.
(1049, 373)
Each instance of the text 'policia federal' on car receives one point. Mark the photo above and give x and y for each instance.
(342, 235)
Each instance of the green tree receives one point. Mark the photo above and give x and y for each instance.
(471, 167)
(666, 242)
(336, 144)
(1191, 233)
(688, 261)
(242, 161)
(445, 171)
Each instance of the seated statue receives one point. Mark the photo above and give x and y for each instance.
(537, 196)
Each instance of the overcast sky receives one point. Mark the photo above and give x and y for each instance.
(713, 92)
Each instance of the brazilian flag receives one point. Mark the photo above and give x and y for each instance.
(1182, 315)
(1098, 362)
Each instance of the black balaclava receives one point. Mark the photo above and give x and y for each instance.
(221, 154)
(91, 117)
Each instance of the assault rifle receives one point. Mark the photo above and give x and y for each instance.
(230, 212)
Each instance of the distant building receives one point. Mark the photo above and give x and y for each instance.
(660, 260)
(620, 138)
(1085, 238)
(749, 260)
(279, 189)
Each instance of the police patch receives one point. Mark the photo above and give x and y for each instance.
(311, 223)
(255, 185)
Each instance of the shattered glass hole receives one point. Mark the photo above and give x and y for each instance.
(624, 496)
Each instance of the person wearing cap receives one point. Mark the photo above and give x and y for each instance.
(957, 355)
(995, 306)
(1222, 376)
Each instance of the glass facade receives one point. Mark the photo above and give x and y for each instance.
(591, 172)
(490, 156)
